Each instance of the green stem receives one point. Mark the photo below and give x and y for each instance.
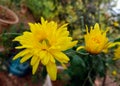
(82, 24)
(88, 78)
(104, 80)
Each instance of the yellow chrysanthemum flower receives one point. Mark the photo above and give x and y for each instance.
(45, 43)
(117, 53)
(96, 40)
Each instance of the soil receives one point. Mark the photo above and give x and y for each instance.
(108, 82)
(7, 79)
(98, 82)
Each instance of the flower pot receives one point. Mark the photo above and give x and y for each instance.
(7, 17)
(19, 69)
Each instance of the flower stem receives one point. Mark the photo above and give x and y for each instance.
(104, 80)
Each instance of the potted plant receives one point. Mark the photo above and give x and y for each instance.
(7, 17)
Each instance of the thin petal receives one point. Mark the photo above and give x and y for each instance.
(26, 57)
(52, 59)
(80, 47)
(87, 29)
(46, 58)
(31, 27)
(35, 66)
(34, 60)
(64, 25)
(20, 54)
(52, 70)
(113, 44)
(43, 21)
(106, 31)
(24, 46)
(72, 44)
(42, 54)
(17, 38)
(97, 26)
(61, 57)
(44, 44)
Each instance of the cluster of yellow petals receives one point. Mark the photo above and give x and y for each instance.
(96, 40)
(44, 44)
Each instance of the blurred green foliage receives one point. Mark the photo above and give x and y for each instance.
(9, 46)
(45, 8)
(78, 13)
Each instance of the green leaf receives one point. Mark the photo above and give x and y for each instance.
(77, 60)
(70, 52)
(117, 40)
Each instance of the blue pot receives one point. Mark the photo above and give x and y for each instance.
(19, 69)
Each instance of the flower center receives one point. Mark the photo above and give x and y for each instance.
(96, 40)
(45, 44)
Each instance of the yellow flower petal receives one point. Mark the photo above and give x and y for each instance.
(46, 58)
(61, 57)
(97, 28)
(117, 53)
(52, 70)
(35, 66)
(21, 47)
(34, 60)
(52, 59)
(42, 20)
(42, 54)
(113, 44)
(26, 57)
(22, 53)
(87, 29)
(80, 47)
